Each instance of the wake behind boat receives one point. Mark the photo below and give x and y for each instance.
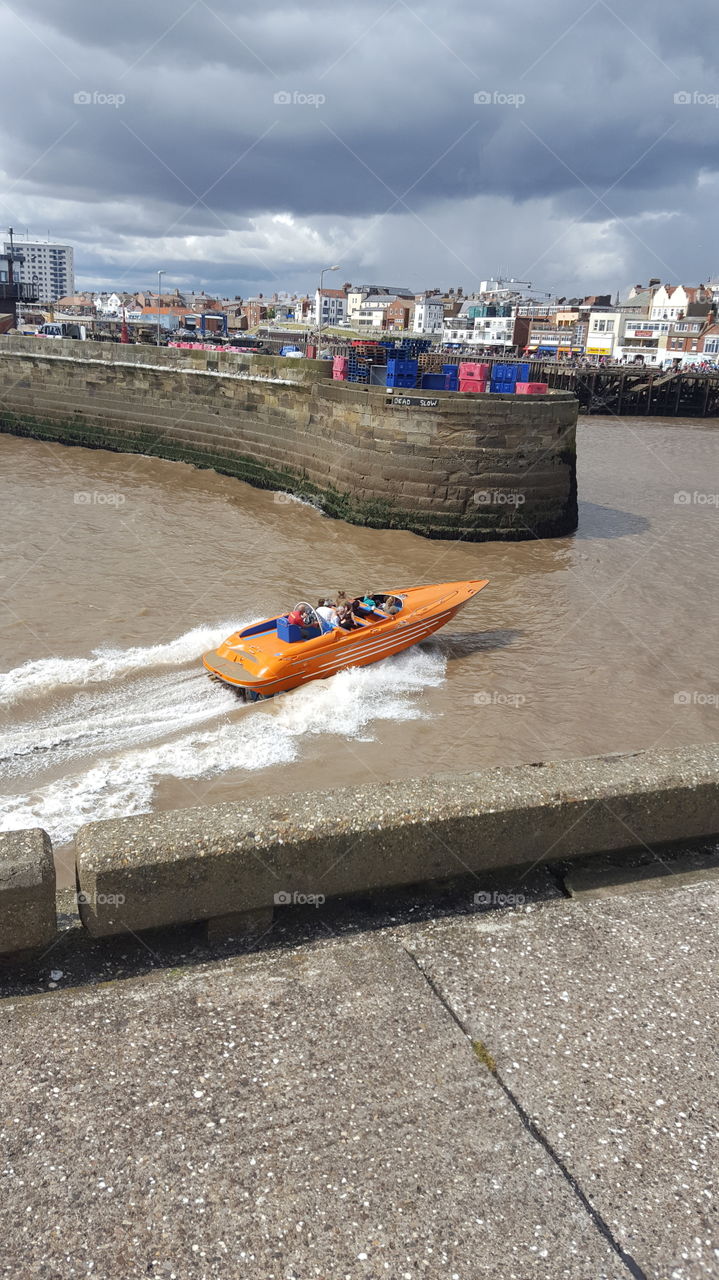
(279, 654)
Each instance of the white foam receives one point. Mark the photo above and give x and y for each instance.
(50, 675)
(258, 737)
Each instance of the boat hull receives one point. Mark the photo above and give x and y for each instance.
(270, 667)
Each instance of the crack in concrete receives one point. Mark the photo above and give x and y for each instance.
(482, 1053)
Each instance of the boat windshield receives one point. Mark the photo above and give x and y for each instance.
(304, 607)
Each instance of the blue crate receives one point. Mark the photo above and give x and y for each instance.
(523, 372)
(504, 388)
(452, 370)
(434, 381)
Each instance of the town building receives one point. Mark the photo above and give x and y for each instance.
(709, 342)
(48, 268)
(255, 311)
(330, 306)
(670, 302)
(603, 328)
(484, 330)
(428, 313)
(376, 312)
(357, 295)
(77, 304)
(400, 314)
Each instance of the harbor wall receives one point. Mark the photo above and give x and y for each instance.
(474, 466)
(233, 864)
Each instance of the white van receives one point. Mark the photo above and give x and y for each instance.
(62, 329)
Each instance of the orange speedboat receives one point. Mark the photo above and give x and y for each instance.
(276, 655)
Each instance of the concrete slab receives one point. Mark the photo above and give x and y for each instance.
(601, 1020)
(174, 867)
(605, 877)
(27, 891)
(284, 1117)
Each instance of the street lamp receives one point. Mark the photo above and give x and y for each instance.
(160, 274)
(319, 305)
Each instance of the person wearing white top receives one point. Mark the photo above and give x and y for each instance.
(328, 613)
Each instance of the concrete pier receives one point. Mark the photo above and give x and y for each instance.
(522, 1092)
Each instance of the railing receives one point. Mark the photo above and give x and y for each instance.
(18, 291)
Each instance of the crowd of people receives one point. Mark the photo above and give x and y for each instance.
(346, 613)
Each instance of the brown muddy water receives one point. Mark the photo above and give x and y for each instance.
(119, 571)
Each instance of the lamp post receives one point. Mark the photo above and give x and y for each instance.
(160, 274)
(319, 305)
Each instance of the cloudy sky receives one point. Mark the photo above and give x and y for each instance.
(242, 146)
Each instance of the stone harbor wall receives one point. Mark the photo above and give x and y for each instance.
(449, 465)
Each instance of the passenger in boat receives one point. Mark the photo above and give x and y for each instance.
(346, 617)
(390, 606)
(368, 601)
(326, 610)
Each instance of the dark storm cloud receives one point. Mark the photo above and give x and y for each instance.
(200, 145)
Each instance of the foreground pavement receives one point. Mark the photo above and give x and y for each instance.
(508, 1093)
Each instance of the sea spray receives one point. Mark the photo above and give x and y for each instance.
(167, 707)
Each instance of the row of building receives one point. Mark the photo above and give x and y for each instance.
(656, 323)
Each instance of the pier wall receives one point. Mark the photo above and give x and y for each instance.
(233, 864)
(476, 466)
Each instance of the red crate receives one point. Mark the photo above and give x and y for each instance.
(469, 370)
(532, 388)
(478, 385)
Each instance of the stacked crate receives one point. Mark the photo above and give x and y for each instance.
(532, 388)
(430, 361)
(357, 369)
(451, 377)
(339, 368)
(401, 373)
(473, 376)
(434, 382)
(504, 379)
